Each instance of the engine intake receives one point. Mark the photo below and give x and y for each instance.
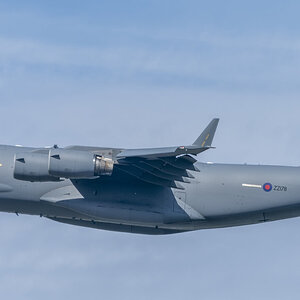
(30, 166)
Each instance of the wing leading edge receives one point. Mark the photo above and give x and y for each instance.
(166, 166)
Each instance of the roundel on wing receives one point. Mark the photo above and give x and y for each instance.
(267, 187)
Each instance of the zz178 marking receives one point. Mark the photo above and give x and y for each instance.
(280, 188)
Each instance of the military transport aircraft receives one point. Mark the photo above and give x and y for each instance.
(148, 191)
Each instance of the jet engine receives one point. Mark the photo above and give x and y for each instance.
(31, 166)
(78, 164)
(56, 163)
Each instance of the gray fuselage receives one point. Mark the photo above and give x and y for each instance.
(220, 195)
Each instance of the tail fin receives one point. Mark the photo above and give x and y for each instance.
(206, 137)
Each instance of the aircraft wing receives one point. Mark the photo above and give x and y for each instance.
(160, 166)
(166, 166)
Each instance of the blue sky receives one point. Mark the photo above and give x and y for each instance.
(141, 74)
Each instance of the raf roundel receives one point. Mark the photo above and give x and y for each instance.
(267, 187)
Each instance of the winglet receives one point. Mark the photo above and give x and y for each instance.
(206, 137)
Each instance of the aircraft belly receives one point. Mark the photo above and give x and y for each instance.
(118, 203)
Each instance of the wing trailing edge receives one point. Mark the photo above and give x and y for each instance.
(168, 166)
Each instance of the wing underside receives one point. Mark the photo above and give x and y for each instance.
(170, 166)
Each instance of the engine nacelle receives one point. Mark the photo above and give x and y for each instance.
(78, 164)
(60, 163)
(31, 166)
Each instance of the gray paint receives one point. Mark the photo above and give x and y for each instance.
(216, 195)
